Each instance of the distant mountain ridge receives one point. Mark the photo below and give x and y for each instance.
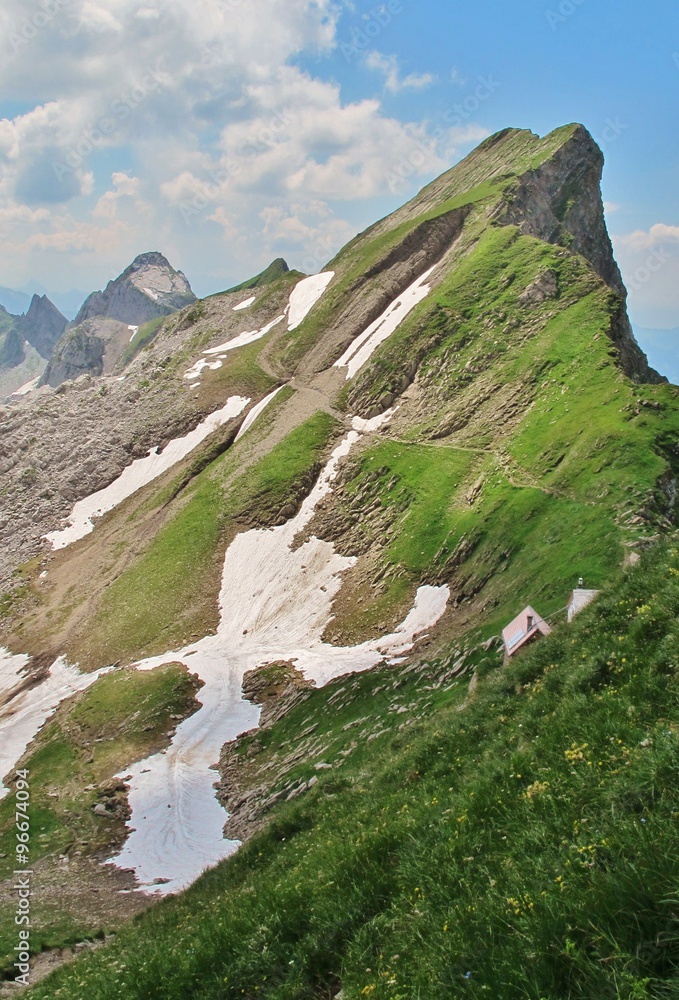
(27, 342)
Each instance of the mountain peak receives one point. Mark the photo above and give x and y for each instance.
(43, 325)
(152, 258)
(275, 270)
(149, 287)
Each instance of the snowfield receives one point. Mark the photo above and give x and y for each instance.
(303, 298)
(140, 473)
(26, 706)
(275, 603)
(245, 305)
(27, 387)
(305, 295)
(365, 345)
(256, 411)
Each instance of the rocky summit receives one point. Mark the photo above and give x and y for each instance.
(127, 312)
(148, 288)
(258, 555)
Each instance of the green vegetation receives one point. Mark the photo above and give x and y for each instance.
(539, 453)
(71, 764)
(170, 591)
(145, 335)
(275, 270)
(487, 175)
(522, 844)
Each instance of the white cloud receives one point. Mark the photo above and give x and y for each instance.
(237, 152)
(649, 261)
(393, 82)
(644, 239)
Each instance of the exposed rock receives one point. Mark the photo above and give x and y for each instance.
(95, 342)
(545, 286)
(78, 352)
(148, 288)
(12, 351)
(43, 325)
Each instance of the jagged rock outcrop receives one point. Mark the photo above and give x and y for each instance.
(148, 288)
(77, 353)
(95, 342)
(12, 352)
(43, 325)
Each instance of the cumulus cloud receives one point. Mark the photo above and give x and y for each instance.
(236, 151)
(649, 261)
(393, 81)
(644, 239)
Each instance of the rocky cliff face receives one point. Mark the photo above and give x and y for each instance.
(148, 288)
(95, 342)
(12, 352)
(79, 352)
(43, 325)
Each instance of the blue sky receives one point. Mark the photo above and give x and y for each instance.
(227, 132)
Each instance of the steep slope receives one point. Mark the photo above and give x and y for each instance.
(43, 325)
(97, 340)
(275, 270)
(513, 838)
(148, 288)
(27, 343)
(12, 353)
(450, 422)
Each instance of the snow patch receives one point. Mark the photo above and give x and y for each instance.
(255, 412)
(151, 294)
(368, 426)
(243, 339)
(305, 295)
(364, 346)
(135, 331)
(245, 305)
(140, 473)
(25, 706)
(275, 603)
(28, 387)
(200, 365)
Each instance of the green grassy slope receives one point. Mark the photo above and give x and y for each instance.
(72, 762)
(270, 274)
(522, 842)
(147, 608)
(530, 459)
